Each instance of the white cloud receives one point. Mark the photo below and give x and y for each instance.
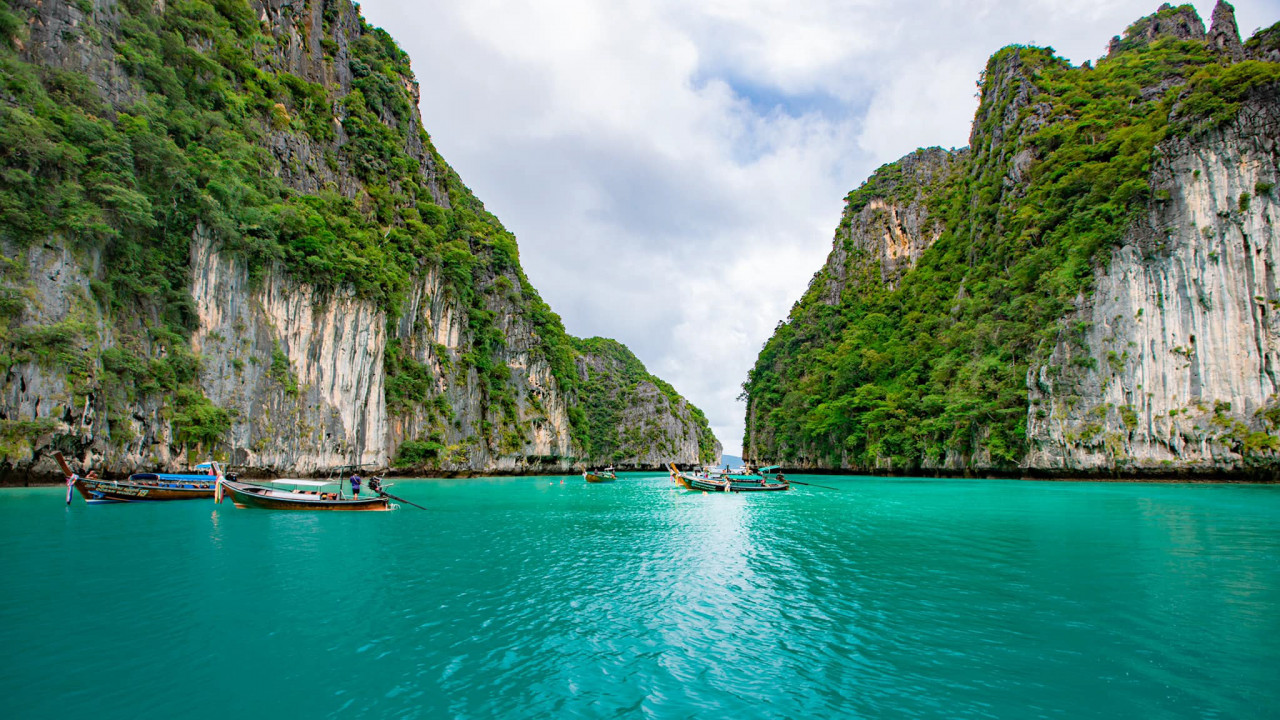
(674, 169)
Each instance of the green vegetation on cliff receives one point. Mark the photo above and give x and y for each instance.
(138, 180)
(187, 154)
(933, 371)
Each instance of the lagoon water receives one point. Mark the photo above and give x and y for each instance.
(547, 597)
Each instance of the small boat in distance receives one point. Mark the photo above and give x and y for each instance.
(299, 495)
(600, 476)
(140, 487)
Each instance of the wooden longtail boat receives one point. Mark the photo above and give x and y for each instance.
(147, 487)
(140, 487)
(599, 476)
(303, 495)
(729, 483)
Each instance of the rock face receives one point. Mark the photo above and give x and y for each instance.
(1160, 361)
(301, 373)
(1224, 33)
(56, 37)
(886, 224)
(277, 371)
(1176, 371)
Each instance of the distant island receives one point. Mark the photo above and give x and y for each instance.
(733, 461)
(1087, 290)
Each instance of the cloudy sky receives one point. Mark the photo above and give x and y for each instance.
(674, 170)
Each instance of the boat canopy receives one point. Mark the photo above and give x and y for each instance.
(205, 466)
(771, 467)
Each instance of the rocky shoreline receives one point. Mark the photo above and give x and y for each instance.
(1262, 477)
(393, 473)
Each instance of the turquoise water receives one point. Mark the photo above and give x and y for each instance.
(547, 597)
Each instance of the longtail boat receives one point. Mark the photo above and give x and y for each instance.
(600, 476)
(140, 487)
(299, 495)
(149, 487)
(756, 482)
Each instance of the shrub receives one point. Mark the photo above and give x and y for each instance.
(415, 453)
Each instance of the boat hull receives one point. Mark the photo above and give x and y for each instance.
(760, 487)
(594, 478)
(256, 496)
(101, 492)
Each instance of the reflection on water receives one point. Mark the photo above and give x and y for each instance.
(548, 596)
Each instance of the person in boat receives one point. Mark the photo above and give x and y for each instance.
(92, 475)
(355, 486)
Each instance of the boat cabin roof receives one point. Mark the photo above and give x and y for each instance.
(771, 467)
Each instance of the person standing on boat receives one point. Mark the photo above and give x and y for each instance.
(355, 486)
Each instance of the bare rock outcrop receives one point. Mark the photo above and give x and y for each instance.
(886, 224)
(1179, 23)
(1224, 34)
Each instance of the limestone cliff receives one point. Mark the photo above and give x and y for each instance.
(1173, 369)
(1088, 289)
(226, 233)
